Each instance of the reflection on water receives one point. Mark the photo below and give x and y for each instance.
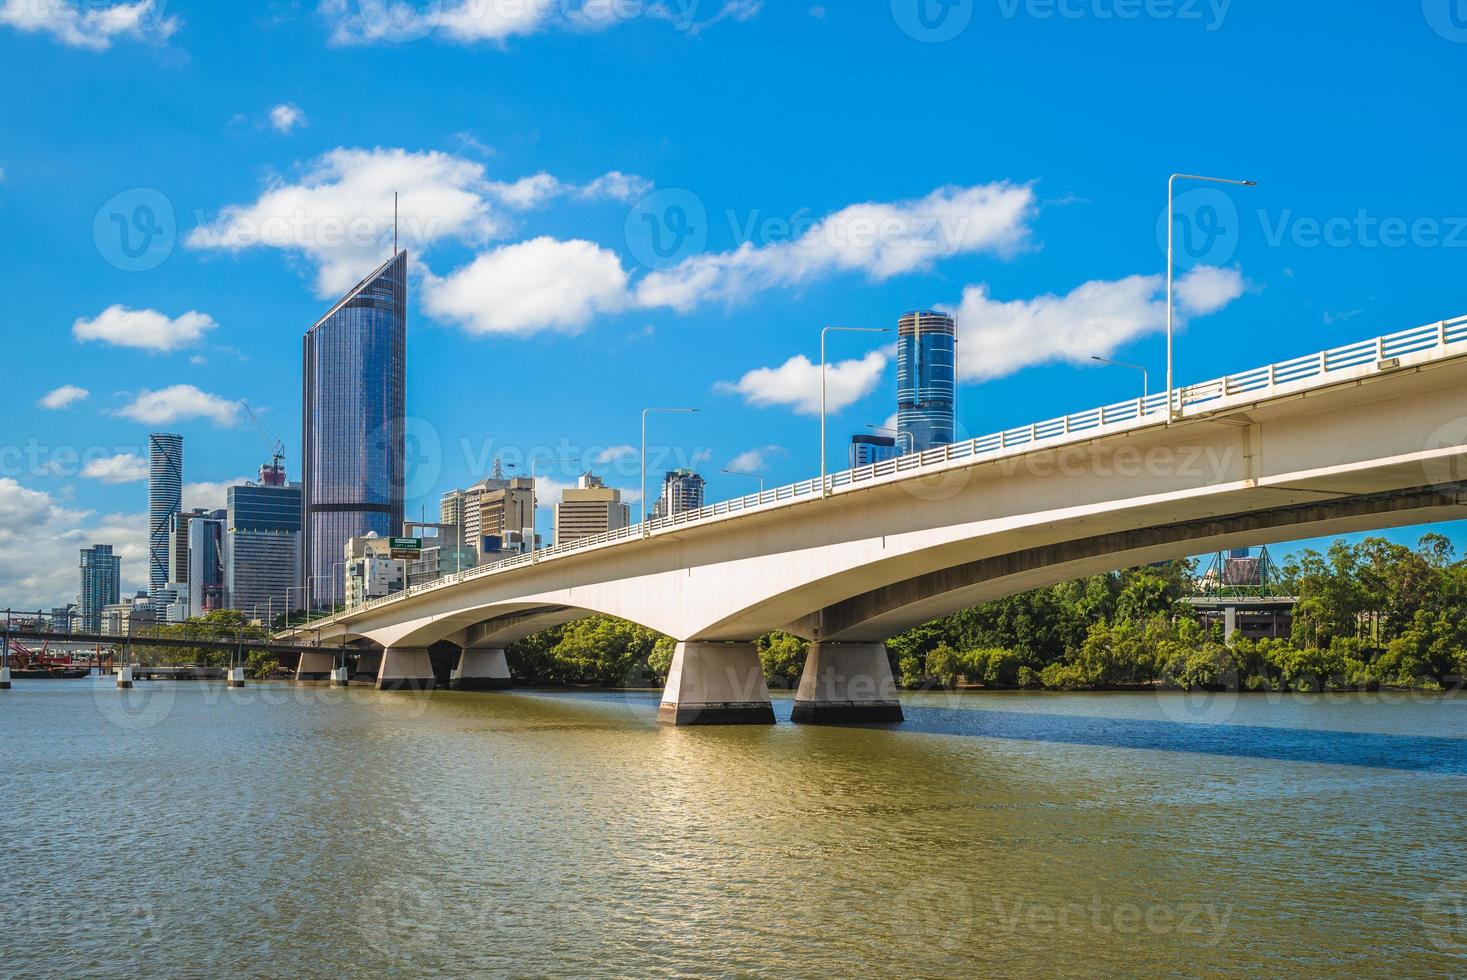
(281, 830)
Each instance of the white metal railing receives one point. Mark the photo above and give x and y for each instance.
(1304, 372)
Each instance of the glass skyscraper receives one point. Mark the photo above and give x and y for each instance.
(926, 380)
(355, 393)
(101, 584)
(261, 547)
(165, 498)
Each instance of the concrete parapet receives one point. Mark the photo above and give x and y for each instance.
(847, 683)
(716, 684)
(482, 670)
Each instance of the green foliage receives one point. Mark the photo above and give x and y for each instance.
(783, 659)
(261, 665)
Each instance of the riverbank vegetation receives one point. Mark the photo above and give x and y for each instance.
(1370, 615)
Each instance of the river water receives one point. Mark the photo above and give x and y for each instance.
(183, 829)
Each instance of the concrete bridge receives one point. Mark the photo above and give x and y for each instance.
(1364, 437)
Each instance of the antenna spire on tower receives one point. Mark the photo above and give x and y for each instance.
(394, 223)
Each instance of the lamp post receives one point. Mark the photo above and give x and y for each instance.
(752, 476)
(1171, 228)
(646, 412)
(535, 491)
(1145, 374)
(288, 590)
(824, 489)
(911, 439)
(337, 581)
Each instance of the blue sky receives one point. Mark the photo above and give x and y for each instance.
(184, 185)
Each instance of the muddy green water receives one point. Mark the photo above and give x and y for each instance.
(186, 830)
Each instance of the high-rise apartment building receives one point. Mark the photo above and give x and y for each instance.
(589, 509)
(926, 380)
(261, 545)
(355, 383)
(682, 490)
(165, 499)
(101, 584)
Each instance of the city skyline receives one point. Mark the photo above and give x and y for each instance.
(591, 319)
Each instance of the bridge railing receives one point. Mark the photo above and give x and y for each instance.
(1300, 371)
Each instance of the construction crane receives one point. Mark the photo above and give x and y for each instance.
(277, 448)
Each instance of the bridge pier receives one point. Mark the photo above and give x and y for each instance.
(315, 666)
(124, 677)
(481, 670)
(4, 678)
(716, 684)
(235, 677)
(369, 665)
(405, 670)
(847, 683)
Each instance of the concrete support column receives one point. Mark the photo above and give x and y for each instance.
(847, 683)
(315, 666)
(340, 677)
(716, 684)
(481, 670)
(1230, 624)
(235, 677)
(124, 677)
(405, 670)
(369, 665)
(4, 678)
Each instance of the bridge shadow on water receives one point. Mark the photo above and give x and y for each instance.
(1412, 753)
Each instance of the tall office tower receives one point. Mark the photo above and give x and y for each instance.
(101, 584)
(206, 563)
(261, 546)
(589, 509)
(682, 490)
(165, 498)
(926, 380)
(355, 381)
(866, 450)
(178, 544)
(497, 507)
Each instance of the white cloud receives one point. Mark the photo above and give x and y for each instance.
(879, 240)
(355, 22)
(754, 460)
(614, 454)
(180, 403)
(796, 383)
(89, 24)
(542, 284)
(998, 338)
(287, 116)
(64, 397)
(144, 329)
(39, 543)
(210, 496)
(339, 214)
(122, 468)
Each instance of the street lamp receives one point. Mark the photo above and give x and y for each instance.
(535, 491)
(752, 476)
(824, 490)
(646, 412)
(1145, 374)
(337, 581)
(911, 439)
(1171, 228)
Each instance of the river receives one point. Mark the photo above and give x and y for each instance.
(283, 830)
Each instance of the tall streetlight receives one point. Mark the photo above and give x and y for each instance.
(911, 439)
(646, 412)
(1171, 228)
(752, 476)
(825, 490)
(535, 491)
(1145, 374)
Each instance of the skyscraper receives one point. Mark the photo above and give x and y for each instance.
(261, 546)
(867, 449)
(589, 509)
(206, 563)
(101, 584)
(682, 490)
(926, 380)
(355, 381)
(165, 498)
